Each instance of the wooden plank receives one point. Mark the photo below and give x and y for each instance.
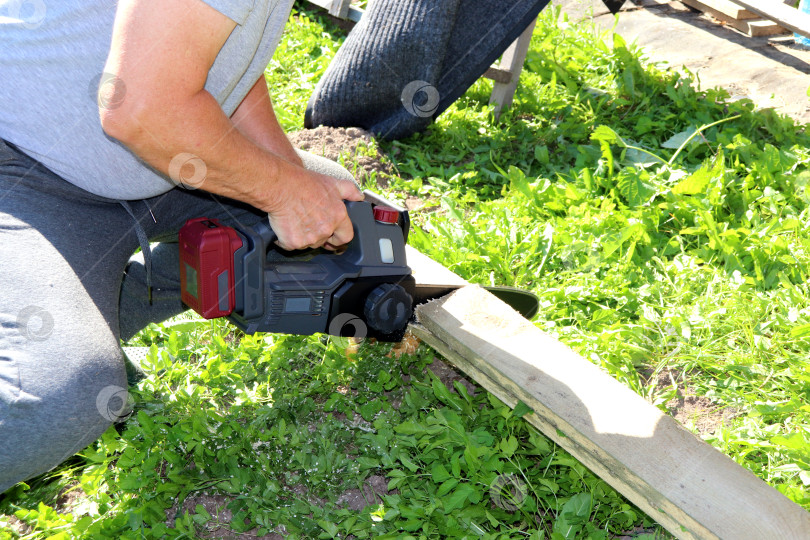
(352, 13)
(751, 27)
(726, 7)
(762, 28)
(782, 14)
(340, 8)
(498, 75)
(680, 481)
(512, 61)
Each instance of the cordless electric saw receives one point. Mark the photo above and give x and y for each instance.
(367, 290)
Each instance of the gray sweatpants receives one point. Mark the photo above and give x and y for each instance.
(70, 290)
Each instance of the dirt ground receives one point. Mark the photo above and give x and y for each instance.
(697, 413)
(353, 145)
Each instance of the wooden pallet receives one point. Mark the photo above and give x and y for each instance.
(737, 17)
(787, 16)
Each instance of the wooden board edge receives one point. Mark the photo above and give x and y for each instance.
(426, 271)
(727, 8)
(764, 28)
(497, 74)
(351, 13)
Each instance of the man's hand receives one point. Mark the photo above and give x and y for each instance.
(162, 52)
(299, 223)
(296, 221)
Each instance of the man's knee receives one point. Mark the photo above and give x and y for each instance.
(52, 407)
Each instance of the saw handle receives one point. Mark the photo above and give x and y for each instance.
(264, 236)
(363, 250)
(362, 223)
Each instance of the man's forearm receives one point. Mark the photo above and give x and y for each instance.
(163, 52)
(234, 165)
(256, 120)
(306, 208)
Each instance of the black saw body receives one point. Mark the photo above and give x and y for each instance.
(368, 290)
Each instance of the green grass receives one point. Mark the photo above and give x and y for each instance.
(651, 253)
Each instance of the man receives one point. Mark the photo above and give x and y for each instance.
(104, 111)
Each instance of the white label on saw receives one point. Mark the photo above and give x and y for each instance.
(386, 250)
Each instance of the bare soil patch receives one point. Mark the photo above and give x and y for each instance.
(448, 375)
(700, 413)
(693, 411)
(219, 525)
(354, 144)
(635, 533)
(370, 492)
(373, 489)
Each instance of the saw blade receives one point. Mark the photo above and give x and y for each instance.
(434, 281)
(524, 302)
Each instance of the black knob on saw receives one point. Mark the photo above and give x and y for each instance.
(388, 308)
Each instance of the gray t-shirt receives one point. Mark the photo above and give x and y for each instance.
(52, 54)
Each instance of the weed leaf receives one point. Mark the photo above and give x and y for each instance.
(572, 515)
(677, 140)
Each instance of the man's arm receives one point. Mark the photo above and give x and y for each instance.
(162, 52)
(255, 118)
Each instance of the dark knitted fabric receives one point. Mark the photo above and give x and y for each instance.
(406, 61)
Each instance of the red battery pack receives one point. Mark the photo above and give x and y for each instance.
(206, 266)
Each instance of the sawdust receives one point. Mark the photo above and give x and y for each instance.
(355, 145)
(408, 345)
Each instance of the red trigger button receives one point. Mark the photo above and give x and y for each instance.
(385, 215)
